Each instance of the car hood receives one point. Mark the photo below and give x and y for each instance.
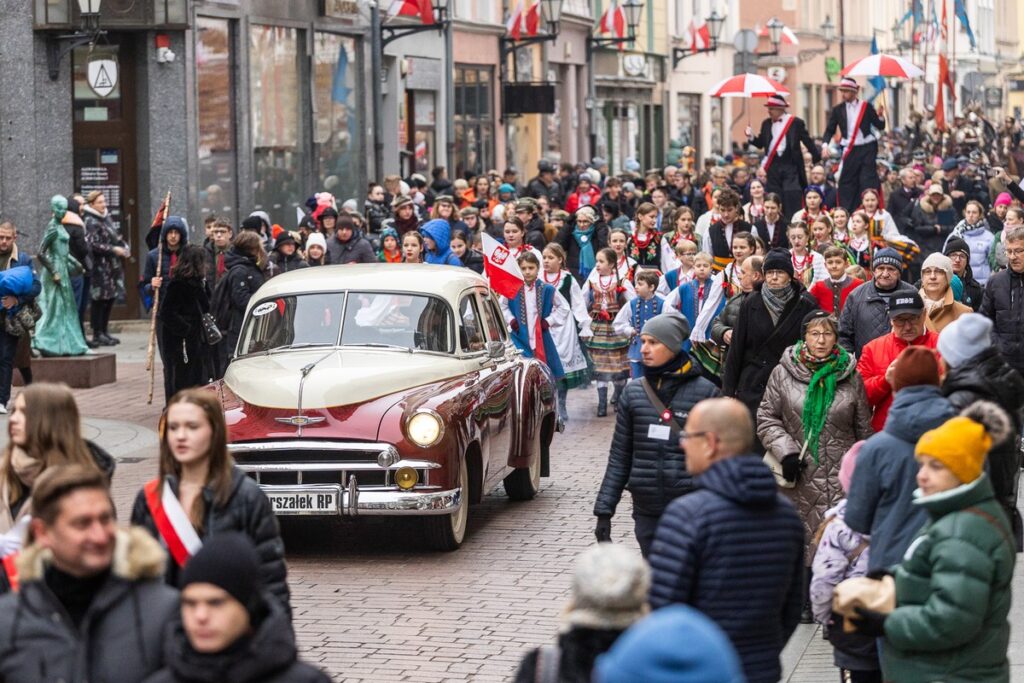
(340, 377)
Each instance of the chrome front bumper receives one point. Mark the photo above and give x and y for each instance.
(353, 499)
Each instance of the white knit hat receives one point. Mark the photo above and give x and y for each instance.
(965, 338)
(316, 239)
(940, 261)
(609, 588)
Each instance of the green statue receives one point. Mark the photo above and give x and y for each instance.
(58, 332)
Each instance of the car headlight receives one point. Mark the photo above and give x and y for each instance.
(424, 429)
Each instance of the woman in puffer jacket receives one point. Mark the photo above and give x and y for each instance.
(814, 409)
(953, 588)
(215, 496)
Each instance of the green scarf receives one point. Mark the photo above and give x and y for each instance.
(821, 390)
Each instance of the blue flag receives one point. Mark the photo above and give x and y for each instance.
(961, 13)
(877, 83)
(339, 87)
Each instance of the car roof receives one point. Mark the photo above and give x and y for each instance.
(446, 281)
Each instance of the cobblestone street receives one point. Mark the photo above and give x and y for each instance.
(372, 605)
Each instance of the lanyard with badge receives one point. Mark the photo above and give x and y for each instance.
(661, 432)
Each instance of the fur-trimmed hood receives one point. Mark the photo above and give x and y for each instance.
(929, 208)
(137, 556)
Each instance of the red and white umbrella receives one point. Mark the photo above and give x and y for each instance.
(748, 85)
(883, 65)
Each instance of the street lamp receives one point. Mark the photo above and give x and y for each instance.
(59, 46)
(715, 22)
(775, 27)
(828, 34)
(551, 10)
(634, 10)
(828, 30)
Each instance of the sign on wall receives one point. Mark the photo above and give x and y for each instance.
(102, 76)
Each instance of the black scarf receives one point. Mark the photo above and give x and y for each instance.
(73, 592)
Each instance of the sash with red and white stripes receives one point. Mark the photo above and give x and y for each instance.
(778, 141)
(11, 569)
(172, 523)
(853, 139)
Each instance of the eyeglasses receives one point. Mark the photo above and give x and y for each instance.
(820, 334)
(1015, 252)
(683, 436)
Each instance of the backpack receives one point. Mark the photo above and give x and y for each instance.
(220, 303)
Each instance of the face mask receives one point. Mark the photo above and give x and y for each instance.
(25, 466)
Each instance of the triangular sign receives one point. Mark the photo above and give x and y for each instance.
(102, 76)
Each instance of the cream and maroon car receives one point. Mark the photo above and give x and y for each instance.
(386, 390)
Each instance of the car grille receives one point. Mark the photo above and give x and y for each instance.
(291, 463)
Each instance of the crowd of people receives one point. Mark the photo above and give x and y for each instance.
(813, 354)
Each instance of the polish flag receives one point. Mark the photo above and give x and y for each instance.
(501, 267)
(700, 35)
(533, 19)
(613, 20)
(514, 25)
(412, 8)
(787, 38)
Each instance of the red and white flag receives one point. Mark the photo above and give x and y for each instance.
(533, 19)
(700, 35)
(787, 36)
(172, 523)
(514, 25)
(412, 8)
(613, 20)
(501, 267)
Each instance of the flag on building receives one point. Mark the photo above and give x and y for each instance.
(700, 35)
(501, 267)
(533, 19)
(613, 20)
(412, 8)
(514, 25)
(877, 83)
(787, 37)
(961, 13)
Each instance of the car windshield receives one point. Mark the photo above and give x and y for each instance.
(404, 321)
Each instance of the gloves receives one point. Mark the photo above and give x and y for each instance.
(791, 466)
(878, 574)
(514, 324)
(603, 530)
(870, 623)
(544, 325)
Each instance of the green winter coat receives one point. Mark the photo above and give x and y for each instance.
(953, 593)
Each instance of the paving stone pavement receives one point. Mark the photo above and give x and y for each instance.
(370, 604)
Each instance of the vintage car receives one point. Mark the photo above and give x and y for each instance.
(386, 390)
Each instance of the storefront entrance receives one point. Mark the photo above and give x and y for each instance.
(104, 147)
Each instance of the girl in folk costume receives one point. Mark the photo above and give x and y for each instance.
(840, 225)
(412, 247)
(199, 492)
(884, 222)
(743, 245)
(533, 312)
(754, 209)
(823, 235)
(631, 318)
(685, 251)
(625, 266)
(682, 229)
(705, 220)
(645, 246)
(859, 243)
(605, 292)
(515, 239)
(812, 206)
(568, 337)
(808, 266)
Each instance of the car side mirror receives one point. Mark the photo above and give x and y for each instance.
(495, 350)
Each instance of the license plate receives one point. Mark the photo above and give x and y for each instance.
(320, 502)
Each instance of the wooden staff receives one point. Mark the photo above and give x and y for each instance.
(151, 351)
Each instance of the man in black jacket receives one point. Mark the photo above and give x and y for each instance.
(859, 162)
(781, 135)
(643, 454)
(901, 201)
(1003, 302)
(229, 624)
(959, 252)
(544, 184)
(527, 212)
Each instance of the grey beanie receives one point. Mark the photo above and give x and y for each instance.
(965, 338)
(609, 588)
(670, 329)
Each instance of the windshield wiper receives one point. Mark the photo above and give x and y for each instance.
(381, 345)
(299, 345)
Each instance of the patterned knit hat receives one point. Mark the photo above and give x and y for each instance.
(849, 84)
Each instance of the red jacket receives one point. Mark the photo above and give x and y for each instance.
(573, 202)
(821, 291)
(875, 359)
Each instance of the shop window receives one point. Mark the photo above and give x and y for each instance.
(279, 168)
(215, 111)
(474, 120)
(103, 103)
(336, 138)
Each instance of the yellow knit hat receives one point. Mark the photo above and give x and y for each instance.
(960, 444)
